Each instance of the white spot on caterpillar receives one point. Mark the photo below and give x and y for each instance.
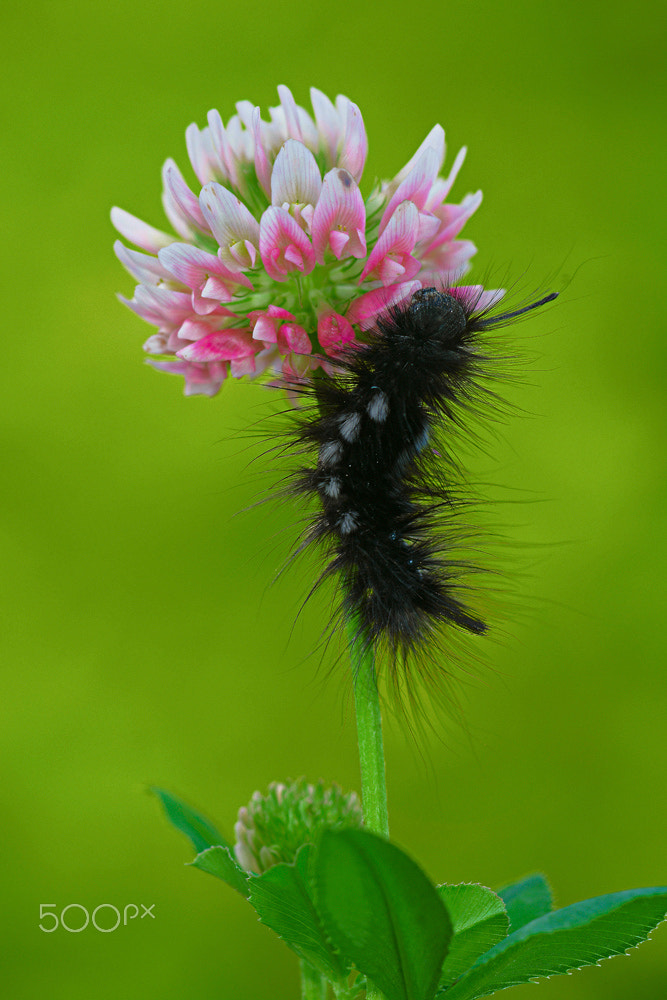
(349, 426)
(348, 522)
(331, 453)
(332, 487)
(422, 439)
(378, 408)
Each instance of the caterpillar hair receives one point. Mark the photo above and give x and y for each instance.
(378, 432)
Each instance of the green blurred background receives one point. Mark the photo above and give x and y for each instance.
(142, 641)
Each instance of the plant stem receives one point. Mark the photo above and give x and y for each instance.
(369, 734)
(313, 985)
(371, 749)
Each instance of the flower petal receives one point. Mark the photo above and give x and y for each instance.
(283, 245)
(145, 268)
(262, 165)
(449, 259)
(340, 212)
(295, 179)
(443, 185)
(416, 187)
(354, 146)
(477, 298)
(230, 145)
(391, 255)
(368, 307)
(328, 124)
(235, 229)
(453, 218)
(193, 266)
(138, 232)
(292, 337)
(435, 140)
(289, 106)
(164, 308)
(220, 345)
(265, 323)
(334, 333)
(205, 163)
(204, 380)
(180, 204)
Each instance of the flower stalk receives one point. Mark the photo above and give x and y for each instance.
(371, 746)
(369, 735)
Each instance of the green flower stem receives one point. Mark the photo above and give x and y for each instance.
(371, 749)
(313, 985)
(369, 734)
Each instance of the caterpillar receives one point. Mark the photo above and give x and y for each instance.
(386, 485)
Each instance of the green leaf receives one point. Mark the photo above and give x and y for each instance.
(197, 828)
(219, 861)
(578, 935)
(283, 899)
(479, 922)
(526, 900)
(381, 910)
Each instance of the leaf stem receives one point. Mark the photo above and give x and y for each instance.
(313, 985)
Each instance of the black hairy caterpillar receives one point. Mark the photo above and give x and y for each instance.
(383, 491)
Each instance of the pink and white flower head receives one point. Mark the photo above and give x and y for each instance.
(279, 262)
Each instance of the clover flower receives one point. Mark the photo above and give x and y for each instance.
(280, 262)
(272, 827)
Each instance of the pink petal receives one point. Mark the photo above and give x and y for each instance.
(242, 366)
(366, 308)
(265, 323)
(157, 344)
(235, 229)
(295, 179)
(435, 141)
(289, 106)
(338, 241)
(222, 147)
(454, 217)
(205, 163)
(262, 165)
(428, 227)
(146, 269)
(449, 258)
(283, 245)
(354, 148)
(199, 379)
(138, 232)
(194, 267)
(393, 248)
(180, 204)
(328, 124)
(204, 380)
(476, 297)
(416, 187)
(339, 219)
(334, 333)
(245, 111)
(160, 306)
(292, 337)
(220, 345)
(443, 185)
(216, 288)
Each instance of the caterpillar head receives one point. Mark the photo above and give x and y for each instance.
(438, 316)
